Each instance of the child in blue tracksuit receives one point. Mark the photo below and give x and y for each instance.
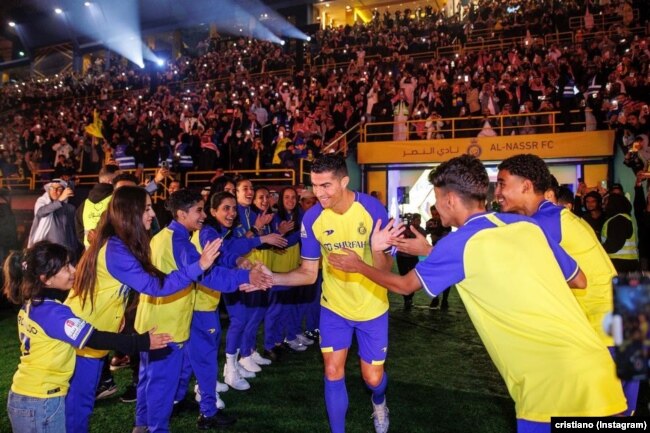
(282, 319)
(160, 370)
(246, 312)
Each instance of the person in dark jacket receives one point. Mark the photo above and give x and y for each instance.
(618, 236)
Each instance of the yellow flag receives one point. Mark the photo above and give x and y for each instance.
(95, 128)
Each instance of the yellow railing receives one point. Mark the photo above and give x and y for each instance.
(41, 177)
(457, 127)
(273, 176)
(600, 21)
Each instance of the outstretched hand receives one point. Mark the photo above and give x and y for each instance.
(158, 341)
(381, 238)
(345, 260)
(210, 253)
(416, 246)
(260, 277)
(274, 239)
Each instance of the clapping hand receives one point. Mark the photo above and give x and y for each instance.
(210, 253)
(381, 238)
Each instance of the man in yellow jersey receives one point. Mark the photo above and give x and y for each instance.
(521, 183)
(350, 304)
(530, 323)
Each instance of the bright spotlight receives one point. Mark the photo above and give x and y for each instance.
(160, 62)
(87, 4)
(282, 43)
(12, 24)
(308, 38)
(58, 11)
(21, 53)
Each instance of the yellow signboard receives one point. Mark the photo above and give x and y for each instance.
(547, 146)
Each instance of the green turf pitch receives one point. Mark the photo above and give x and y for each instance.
(440, 380)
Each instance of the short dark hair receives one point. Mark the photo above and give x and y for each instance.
(464, 175)
(330, 162)
(596, 196)
(564, 195)
(530, 167)
(125, 177)
(183, 199)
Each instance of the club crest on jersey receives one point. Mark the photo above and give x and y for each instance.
(362, 229)
(303, 231)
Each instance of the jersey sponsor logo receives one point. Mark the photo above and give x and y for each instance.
(212, 331)
(303, 231)
(345, 244)
(329, 232)
(362, 229)
(73, 327)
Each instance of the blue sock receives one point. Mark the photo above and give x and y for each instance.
(379, 391)
(336, 402)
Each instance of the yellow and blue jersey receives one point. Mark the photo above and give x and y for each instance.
(119, 271)
(290, 259)
(578, 239)
(172, 249)
(48, 334)
(323, 232)
(512, 280)
(208, 299)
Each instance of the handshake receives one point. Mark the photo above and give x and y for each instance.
(261, 277)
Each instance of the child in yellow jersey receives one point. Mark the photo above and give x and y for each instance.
(116, 262)
(532, 327)
(39, 279)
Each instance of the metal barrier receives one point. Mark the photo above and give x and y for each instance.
(256, 176)
(600, 21)
(457, 127)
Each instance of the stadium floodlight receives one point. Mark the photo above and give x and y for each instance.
(12, 24)
(87, 4)
(58, 11)
(282, 43)
(160, 62)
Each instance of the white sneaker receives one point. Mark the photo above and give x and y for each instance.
(197, 396)
(380, 417)
(295, 345)
(250, 365)
(246, 374)
(221, 387)
(259, 359)
(304, 340)
(234, 380)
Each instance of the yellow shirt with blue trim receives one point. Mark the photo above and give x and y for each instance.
(118, 272)
(323, 232)
(512, 280)
(578, 239)
(172, 249)
(48, 334)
